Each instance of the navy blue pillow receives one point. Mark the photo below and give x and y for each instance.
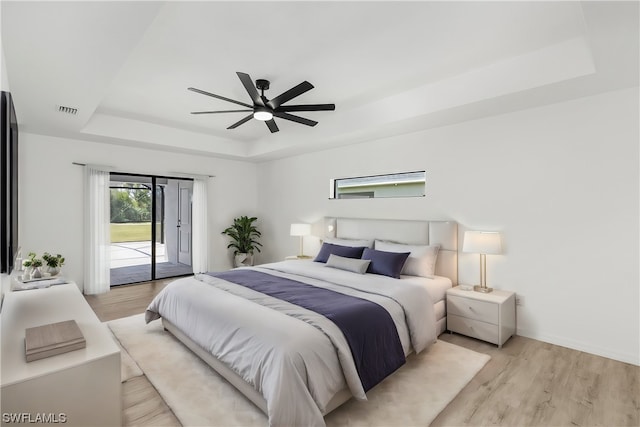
(385, 263)
(345, 251)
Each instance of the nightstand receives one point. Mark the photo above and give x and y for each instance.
(489, 317)
(294, 257)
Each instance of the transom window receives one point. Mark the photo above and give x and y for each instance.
(405, 184)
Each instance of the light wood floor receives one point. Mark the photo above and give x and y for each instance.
(526, 383)
(141, 403)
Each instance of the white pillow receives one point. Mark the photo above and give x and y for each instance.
(355, 265)
(354, 243)
(421, 261)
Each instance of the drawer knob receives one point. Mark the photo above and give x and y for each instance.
(470, 308)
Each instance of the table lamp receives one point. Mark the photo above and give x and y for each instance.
(301, 230)
(483, 243)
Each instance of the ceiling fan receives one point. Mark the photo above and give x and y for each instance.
(265, 110)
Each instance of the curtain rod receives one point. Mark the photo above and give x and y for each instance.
(111, 169)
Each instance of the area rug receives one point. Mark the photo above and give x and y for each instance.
(412, 396)
(128, 367)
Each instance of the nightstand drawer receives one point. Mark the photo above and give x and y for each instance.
(474, 328)
(473, 309)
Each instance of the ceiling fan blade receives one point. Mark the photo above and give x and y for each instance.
(193, 89)
(251, 89)
(290, 94)
(216, 112)
(296, 119)
(271, 124)
(310, 107)
(238, 123)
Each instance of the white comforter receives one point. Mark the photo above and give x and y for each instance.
(297, 359)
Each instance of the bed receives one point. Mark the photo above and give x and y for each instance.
(442, 233)
(277, 332)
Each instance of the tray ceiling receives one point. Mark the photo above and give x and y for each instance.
(389, 67)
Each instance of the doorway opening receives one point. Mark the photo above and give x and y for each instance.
(150, 227)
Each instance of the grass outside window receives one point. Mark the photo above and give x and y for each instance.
(131, 232)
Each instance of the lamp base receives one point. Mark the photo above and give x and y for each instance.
(483, 289)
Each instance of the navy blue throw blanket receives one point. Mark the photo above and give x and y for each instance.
(368, 327)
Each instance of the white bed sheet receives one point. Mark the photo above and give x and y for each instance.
(437, 287)
(297, 366)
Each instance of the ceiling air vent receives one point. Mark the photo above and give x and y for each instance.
(67, 110)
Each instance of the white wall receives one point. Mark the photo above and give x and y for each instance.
(4, 78)
(560, 182)
(51, 193)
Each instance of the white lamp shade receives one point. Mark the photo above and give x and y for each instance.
(300, 229)
(482, 242)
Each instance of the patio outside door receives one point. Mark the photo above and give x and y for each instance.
(176, 213)
(185, 191)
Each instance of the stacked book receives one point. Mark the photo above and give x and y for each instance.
(50, 340)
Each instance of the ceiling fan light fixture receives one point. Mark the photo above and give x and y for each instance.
(262, 115)
(264, 109)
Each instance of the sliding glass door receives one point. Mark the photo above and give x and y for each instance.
(150, 228)
(173, 228)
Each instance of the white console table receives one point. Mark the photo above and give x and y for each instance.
(83, 385)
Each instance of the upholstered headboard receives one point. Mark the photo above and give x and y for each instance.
(444, 233)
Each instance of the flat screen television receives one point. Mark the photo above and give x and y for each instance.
(9, 184)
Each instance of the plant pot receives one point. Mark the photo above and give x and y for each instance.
(243, 260)
(53, 271)
(36, 273)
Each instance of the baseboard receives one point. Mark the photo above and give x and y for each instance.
(633, 359)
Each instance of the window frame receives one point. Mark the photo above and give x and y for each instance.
(334, 193)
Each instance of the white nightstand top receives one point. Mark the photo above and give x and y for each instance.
(297, 257)
(497, 295)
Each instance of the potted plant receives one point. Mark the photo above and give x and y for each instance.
(54, 263)
(27, 264)
(243, 236)
(33, 265)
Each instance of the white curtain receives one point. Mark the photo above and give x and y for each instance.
(199, 229)
(97, 240)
